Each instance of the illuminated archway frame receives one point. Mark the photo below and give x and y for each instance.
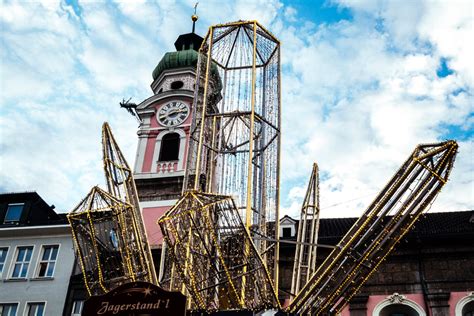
(396, 298)
(463, 302)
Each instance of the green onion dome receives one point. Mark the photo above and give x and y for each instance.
(183, 59)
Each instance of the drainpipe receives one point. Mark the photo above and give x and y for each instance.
(421, 274)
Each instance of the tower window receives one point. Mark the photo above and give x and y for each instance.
(169, 147)
(177, 84)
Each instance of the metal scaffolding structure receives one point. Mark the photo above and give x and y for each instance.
(307, 237)
(107, 228)
(388, 218)
(234, 153)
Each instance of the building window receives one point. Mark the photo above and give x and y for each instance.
(20, 269)
(3, 257)
(77, 307)
(35, 309)
(465, 306)
(169, 147)
(13, 213)
(177, 84)
(398, 305)
(398, 310)
(468, 309)
(48, 261)
(8, 309)
(286, 232)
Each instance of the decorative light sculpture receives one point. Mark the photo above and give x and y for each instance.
(207, 239)
(235, 140)
(307, 237)
(372, 238)
(108, 229)
(120, 183)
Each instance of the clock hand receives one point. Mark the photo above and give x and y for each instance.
(172, 112)
(177, 111)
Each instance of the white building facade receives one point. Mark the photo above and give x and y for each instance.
(36, 259)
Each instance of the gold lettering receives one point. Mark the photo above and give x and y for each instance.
(116, 309)
(103, 308)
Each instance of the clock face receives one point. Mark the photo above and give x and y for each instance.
(173, 113)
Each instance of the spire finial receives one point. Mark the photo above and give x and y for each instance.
(194, 17)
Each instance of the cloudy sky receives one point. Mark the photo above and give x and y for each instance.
(364, 82)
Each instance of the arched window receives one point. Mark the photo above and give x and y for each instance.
(398, 310)
(465, 306)
(398, 305)
(468, 309)
(169, 147)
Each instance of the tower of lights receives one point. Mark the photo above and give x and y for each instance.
(235, 142)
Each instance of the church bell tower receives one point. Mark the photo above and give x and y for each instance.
(164, 132)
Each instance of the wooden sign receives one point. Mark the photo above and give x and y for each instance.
(135, 299)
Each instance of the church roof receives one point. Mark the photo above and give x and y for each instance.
(178, 59)
(183, 59)
(186, 55)
(188, 41)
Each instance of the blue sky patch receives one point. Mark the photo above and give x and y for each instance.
(458, 132)
(443, 68)
(320, 11)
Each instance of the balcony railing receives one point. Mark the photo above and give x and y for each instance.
(167, 166)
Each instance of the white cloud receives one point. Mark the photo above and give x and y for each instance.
(365, 89)
(369, 93)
